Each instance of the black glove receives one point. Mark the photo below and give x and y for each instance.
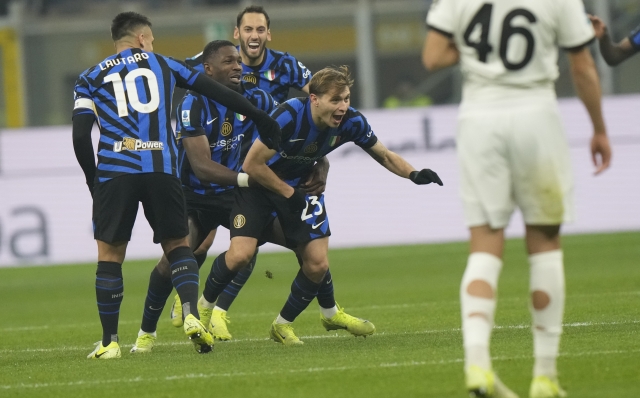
(298, 201)
(425, 176)
(269, 131)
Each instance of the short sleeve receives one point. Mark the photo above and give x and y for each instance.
(184, 74)
(361, 132)
(299, 75)
(283, 115)
(83, 102)
(190, 117)
(574, 28)
(441, 17)
(634, 38)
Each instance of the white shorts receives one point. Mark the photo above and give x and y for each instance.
(514, 155)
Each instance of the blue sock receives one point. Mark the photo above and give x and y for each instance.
(109, 294)
(185, 278)
(159, 291)
(231, 291)
(303, 291)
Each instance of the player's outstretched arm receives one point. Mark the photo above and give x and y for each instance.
(397, 165)
(439, 51)
(612, 53)
(83, 147)
(197, 149)
(268, 129)
(587, 84)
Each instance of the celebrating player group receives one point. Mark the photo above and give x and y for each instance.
(228, 164)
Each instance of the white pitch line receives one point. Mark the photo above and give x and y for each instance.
(291, 371)
(323, 336)
(269, 314)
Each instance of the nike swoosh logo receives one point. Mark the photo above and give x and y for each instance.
(315, 226)
(329, 281)
(297, 139)
(99, 355)
(155, 309)
(211, 121)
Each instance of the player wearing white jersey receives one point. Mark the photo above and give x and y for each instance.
(512, 152)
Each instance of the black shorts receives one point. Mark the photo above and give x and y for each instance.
(115, 206)
(210, 211)
(253, 211)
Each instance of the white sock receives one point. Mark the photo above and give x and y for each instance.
(216, 308)
(281, 321)
(204, 303)
(142, 332)
(476, 330)
(547, 276)
(329, 312)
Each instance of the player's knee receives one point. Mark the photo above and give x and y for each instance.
(480, 288)
(237, 259)
(163, 267)
(540, 300)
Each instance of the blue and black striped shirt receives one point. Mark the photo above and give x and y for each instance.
(303, 143)
(130, 95)
(230, 135)
(276, 74)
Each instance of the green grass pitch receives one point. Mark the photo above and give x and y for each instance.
(49, 323)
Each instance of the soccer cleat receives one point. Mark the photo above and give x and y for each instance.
(144, 343)
(353, 325)
(205, 316)
(283, 333)
(218, 324)
(545, 387)
(176, 312)
(108, 352)
(197, 333)
(484, 383)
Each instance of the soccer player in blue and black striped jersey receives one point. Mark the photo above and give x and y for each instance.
(272, 71)
(129, 95)
(312, 127)
(615, 53)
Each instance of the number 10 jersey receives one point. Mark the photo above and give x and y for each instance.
(509, 45)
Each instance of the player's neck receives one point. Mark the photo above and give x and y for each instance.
(253, 62)
(124, 45)
(317, 120)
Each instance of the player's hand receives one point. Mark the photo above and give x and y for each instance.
(598, 26)
(425, 176)
(316, 182)
(269, 131)
(600, 152)
(298, 201)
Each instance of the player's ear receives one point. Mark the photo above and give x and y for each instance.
(236, 33)
(268, 34)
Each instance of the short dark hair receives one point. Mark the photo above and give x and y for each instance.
(253, 10)
(325, 80)
(213, 47)
(126, 23)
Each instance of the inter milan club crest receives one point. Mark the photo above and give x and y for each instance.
(250, 79)
(270, 75)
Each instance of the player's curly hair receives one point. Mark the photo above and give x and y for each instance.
(253, 10)
(126, 23)
(213, 47)
(330, 78)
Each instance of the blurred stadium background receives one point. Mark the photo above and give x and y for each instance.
(46, 44)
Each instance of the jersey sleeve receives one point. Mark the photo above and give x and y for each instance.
(634, 38)
(184, 74)
(361, 132)
(574, 28)
(299, 75)
(441, 17)
(83, 101)
(282, 114)
(191, 117)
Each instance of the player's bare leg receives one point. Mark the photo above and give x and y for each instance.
(478, 301)
(547, 289)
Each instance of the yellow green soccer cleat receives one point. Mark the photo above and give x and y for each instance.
(108, 352)
(197, 333)
(353, 325)
(484, 383)
(143, 344)
(176, 312)
(283, 333)
(205, 316)
(218, 325)
(545, 387)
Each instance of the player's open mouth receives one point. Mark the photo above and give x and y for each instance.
(337, 118)
(253, 46)
(234, 79)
